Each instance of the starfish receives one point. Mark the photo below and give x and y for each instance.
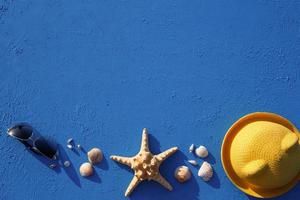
(145, 165)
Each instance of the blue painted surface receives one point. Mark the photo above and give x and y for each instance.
(100, 71)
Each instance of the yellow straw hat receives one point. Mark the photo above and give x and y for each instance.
(261, 154)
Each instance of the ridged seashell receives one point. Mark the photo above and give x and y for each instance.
(95, 155)
(205, 171)
(192, 147)
(201, 151)
(86, 169)
(182, 174)
(193, 162)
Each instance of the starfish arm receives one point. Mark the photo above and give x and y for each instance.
(122, 160)
(145, 143)
(164, 155)
(161, 180)
(134, 182)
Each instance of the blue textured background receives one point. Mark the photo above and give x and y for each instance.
(100, 71)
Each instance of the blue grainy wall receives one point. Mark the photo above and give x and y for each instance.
(100, 71)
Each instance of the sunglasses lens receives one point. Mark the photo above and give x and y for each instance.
(22, 132)
(45, 148)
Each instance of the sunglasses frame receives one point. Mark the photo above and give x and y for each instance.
(32, 139)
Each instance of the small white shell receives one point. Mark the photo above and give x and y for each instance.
(193, 162)
(205, 171)
(70, 140)
(79, 146)
(182, 174)
(86, 169)
(201, 152)
(67, 163)
(70, 143)
(52, 166)
(192, 147)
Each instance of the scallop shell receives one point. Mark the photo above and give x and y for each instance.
(95, 156)
(86, 169)
(201, 152)
(193, 162)
(182, 174)
(205, 171)
(192, 147)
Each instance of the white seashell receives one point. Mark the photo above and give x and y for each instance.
(182, 174)
(86, 169)
(67, 163)
(70, 140)
(70, 143)
(52, 166)
(192, 147)
(201, 152)
(193, 162)
(205, 171)
(95, 156)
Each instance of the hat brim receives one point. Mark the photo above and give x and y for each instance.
(225, 154)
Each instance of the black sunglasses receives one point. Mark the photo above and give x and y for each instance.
(26, 134)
